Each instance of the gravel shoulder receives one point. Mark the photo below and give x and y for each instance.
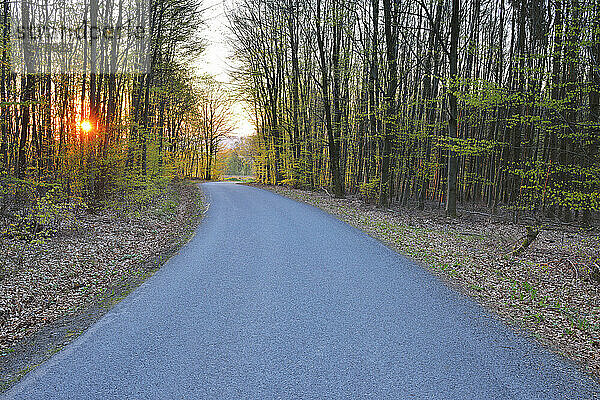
(51, 291)
(549, 290)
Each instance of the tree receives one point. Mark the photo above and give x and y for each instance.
(110, 81)
(453, 111)
(214, 121)
(348, 95)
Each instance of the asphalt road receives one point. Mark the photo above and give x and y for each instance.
(273, 299)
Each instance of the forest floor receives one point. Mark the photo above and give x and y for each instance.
(51, 291)
(550, 290)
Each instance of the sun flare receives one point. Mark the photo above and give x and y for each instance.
(86, 126)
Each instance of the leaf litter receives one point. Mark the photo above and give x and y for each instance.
(94, 259)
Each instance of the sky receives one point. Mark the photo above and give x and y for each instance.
(216, 59)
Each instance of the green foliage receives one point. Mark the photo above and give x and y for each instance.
(291, 182)
(469, 146)
(133, 194)
(369, 191)
(33, 211)
(237, 165)
(543, 184)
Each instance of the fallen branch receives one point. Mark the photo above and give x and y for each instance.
(465, 233)
(532, 234)
(325, 190)
(595, 272)
(483, 214)
(576, 271)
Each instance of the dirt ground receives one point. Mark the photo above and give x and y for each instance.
(51, 291)
(550, 290)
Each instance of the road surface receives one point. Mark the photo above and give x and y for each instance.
(273, 299)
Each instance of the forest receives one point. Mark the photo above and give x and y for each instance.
(491, 104)
(463, 135)
(100, 103)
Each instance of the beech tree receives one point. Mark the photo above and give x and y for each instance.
(213, 121)
(93, 93)
(429, 103)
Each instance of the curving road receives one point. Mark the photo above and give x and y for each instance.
(273, 299)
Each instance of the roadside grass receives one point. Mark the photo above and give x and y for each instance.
(548, 290)
(6, 384)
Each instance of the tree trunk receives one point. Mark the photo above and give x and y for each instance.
(4, 118)
(453, 111)
(391, 45)
(28, 92)
(338, 184)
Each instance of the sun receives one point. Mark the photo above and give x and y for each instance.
(86, 126)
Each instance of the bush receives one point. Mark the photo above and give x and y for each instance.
(292, 183)
(134, 194)
(33, 210)
(370, 191)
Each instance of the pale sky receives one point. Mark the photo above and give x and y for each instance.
(216, 61)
